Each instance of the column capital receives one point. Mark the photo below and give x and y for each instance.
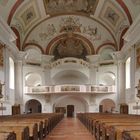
(119, 55)
(20, 56)
(93, 58)
(46, 59)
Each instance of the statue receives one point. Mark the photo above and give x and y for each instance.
(1, 85)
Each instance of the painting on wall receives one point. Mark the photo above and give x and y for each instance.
(111, 16)
(138, 57)
(28, 15)
(1, 55)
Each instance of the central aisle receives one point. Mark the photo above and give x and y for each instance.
(70, 129)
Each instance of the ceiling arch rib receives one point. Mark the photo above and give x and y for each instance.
(29, 45)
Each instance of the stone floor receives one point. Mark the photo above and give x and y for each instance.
(70, 129)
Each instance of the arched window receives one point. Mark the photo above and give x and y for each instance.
(11, 74)
(127, 74)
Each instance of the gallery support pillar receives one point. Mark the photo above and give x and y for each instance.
(120, 61)
(19, 87)
(121, 81)
(93, 76)
(46, 59)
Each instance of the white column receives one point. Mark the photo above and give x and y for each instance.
(46, 59)
(6, 74)
(120, 76)
(132, 74)
(93, 59)
(19, 78)
(121, 81)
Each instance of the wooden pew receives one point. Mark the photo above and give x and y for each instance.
(131, 135)
(115, 132)
(34, 129)
(45, 121)
(106, 128)
(22, 132)
(101, 124)
(7, 136)
(94, 121)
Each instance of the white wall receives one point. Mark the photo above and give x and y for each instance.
(79, 106)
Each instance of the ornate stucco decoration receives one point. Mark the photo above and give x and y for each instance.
(47, 32)
(70, 24)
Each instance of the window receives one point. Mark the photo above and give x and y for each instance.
(127, 76)
(11, 74)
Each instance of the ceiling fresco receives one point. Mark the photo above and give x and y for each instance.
(28, 16)
(56, 26)
(40, 22)
(70, 47)
(67, 6)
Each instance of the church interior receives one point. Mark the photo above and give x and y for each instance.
(77, 59)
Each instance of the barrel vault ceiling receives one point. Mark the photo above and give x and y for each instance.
(45, 24)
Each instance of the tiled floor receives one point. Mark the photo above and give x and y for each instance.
(70, 129)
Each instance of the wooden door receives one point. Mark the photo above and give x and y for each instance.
(70, 110)
(100, 108)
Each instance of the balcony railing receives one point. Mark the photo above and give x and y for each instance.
(70, 60)
(70, 89)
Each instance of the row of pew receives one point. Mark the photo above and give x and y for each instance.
(28, 126)
(107, 126)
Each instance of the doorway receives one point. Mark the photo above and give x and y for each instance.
(70, 110)
(33, 106)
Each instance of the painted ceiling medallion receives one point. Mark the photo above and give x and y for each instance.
(28, 15)
(111, 15)
(59, 6)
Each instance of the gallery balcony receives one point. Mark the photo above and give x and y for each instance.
(70, 89)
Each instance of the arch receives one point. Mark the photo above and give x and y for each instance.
(80, 104)
(107, 78)
(108, 105)
(70, 77)
(104, 45)
(28, 46)
(18, 37)
(126, 10)
(54, 41)
(13, 10)
(33, 79)
(33, 106)
(121, 38)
